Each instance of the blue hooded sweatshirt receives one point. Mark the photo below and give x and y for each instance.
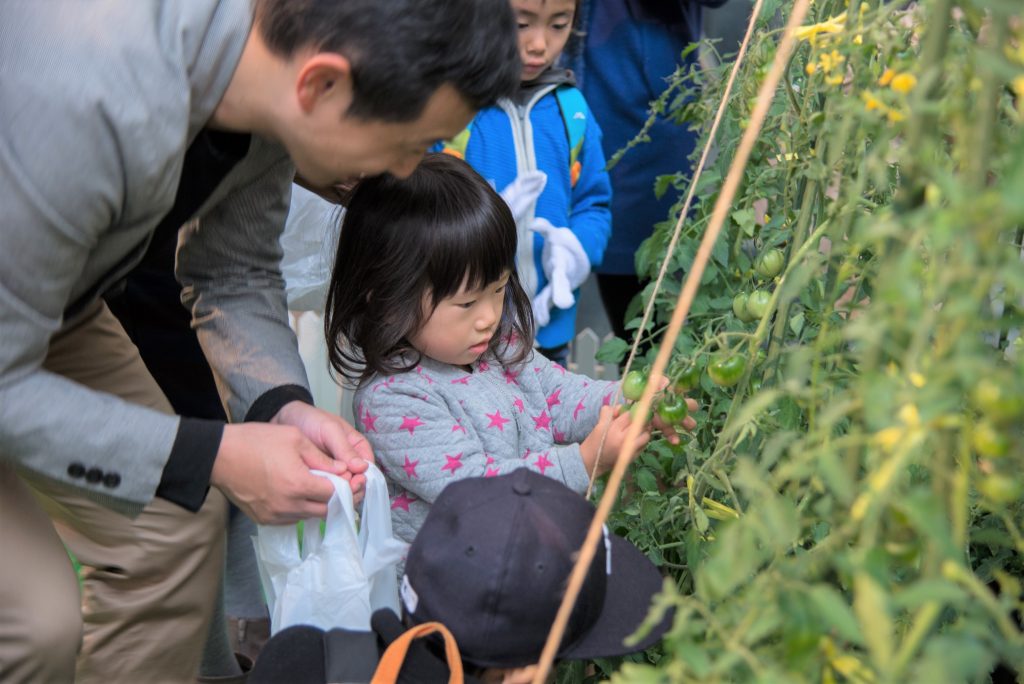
(529, 133)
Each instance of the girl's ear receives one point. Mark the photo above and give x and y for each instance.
(324, 77)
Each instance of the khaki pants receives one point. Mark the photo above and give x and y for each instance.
(148, 585)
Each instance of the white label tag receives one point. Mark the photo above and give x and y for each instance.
(409, 596)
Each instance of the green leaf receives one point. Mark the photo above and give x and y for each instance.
(872, 610)
(796, 323)
(612, 351)
(700, 519)
(834, 610)
(646, 480)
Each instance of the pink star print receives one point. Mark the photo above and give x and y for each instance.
(369, 421)
(497, 420)
(576, 412)
(559, 437)
(542, 463)
(453, 462)
(607, 399)
(559, 368)
(410, 467)
(483, 366)
(542, 422)
(526, 454)
(490, 459)
(402, 501)
(458, 426)
(410, 424)
(553, 399)
(461, 381)
(511, 338)
(510, 377)
(492, 472)
(518, 403)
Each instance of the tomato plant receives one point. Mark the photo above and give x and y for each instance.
(874, 459)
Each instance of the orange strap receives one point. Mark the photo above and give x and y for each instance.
(391, 662)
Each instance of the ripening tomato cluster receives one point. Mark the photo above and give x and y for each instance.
(671, 404)
(754, 305)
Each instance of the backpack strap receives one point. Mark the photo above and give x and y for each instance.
(574, 115)
(457, 146)
(393, 658)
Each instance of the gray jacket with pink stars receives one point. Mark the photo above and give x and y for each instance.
(438, 424)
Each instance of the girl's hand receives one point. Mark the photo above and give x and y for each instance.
(611, 426)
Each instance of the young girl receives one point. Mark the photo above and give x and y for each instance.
(425, 312)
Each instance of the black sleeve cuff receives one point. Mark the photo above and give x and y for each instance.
(267, 406)
(186, 476)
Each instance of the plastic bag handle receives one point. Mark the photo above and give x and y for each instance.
(394, 657)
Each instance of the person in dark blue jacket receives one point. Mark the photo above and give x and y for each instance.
(624, 51)
(563, 212)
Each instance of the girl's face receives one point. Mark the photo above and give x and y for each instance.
(544, 27)
(460, 328)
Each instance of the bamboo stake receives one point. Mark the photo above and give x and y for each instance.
(725, 197)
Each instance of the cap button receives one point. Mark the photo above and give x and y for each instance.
(521, 487)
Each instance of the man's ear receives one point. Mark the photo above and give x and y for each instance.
(325, 75)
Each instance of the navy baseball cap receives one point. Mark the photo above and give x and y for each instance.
(492, 561)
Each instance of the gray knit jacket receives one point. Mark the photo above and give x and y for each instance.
(438, 424)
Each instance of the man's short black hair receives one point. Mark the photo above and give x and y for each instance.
(402, 51)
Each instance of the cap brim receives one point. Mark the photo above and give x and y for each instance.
(630, 587)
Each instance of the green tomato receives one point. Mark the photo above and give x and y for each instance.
(739, 307)
(769, 264)
(757, 304)
(996, 402)
(999, 489)
(633, 384)
(726, 371)
(688, 378)
(672, 409)
(988, 441)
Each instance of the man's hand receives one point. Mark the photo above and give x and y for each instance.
(334, 437)
(264, 470)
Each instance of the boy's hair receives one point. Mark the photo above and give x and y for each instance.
(402, 51)
(404, 238)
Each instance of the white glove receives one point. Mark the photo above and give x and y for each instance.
(566, 266)
(521, 194)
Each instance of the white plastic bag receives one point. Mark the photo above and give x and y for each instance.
(309, 242)
(339, 580)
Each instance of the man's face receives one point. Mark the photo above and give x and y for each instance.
(331, 148)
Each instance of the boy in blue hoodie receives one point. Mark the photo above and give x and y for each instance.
(542, 151)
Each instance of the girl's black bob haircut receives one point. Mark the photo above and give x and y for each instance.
(406, 239)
